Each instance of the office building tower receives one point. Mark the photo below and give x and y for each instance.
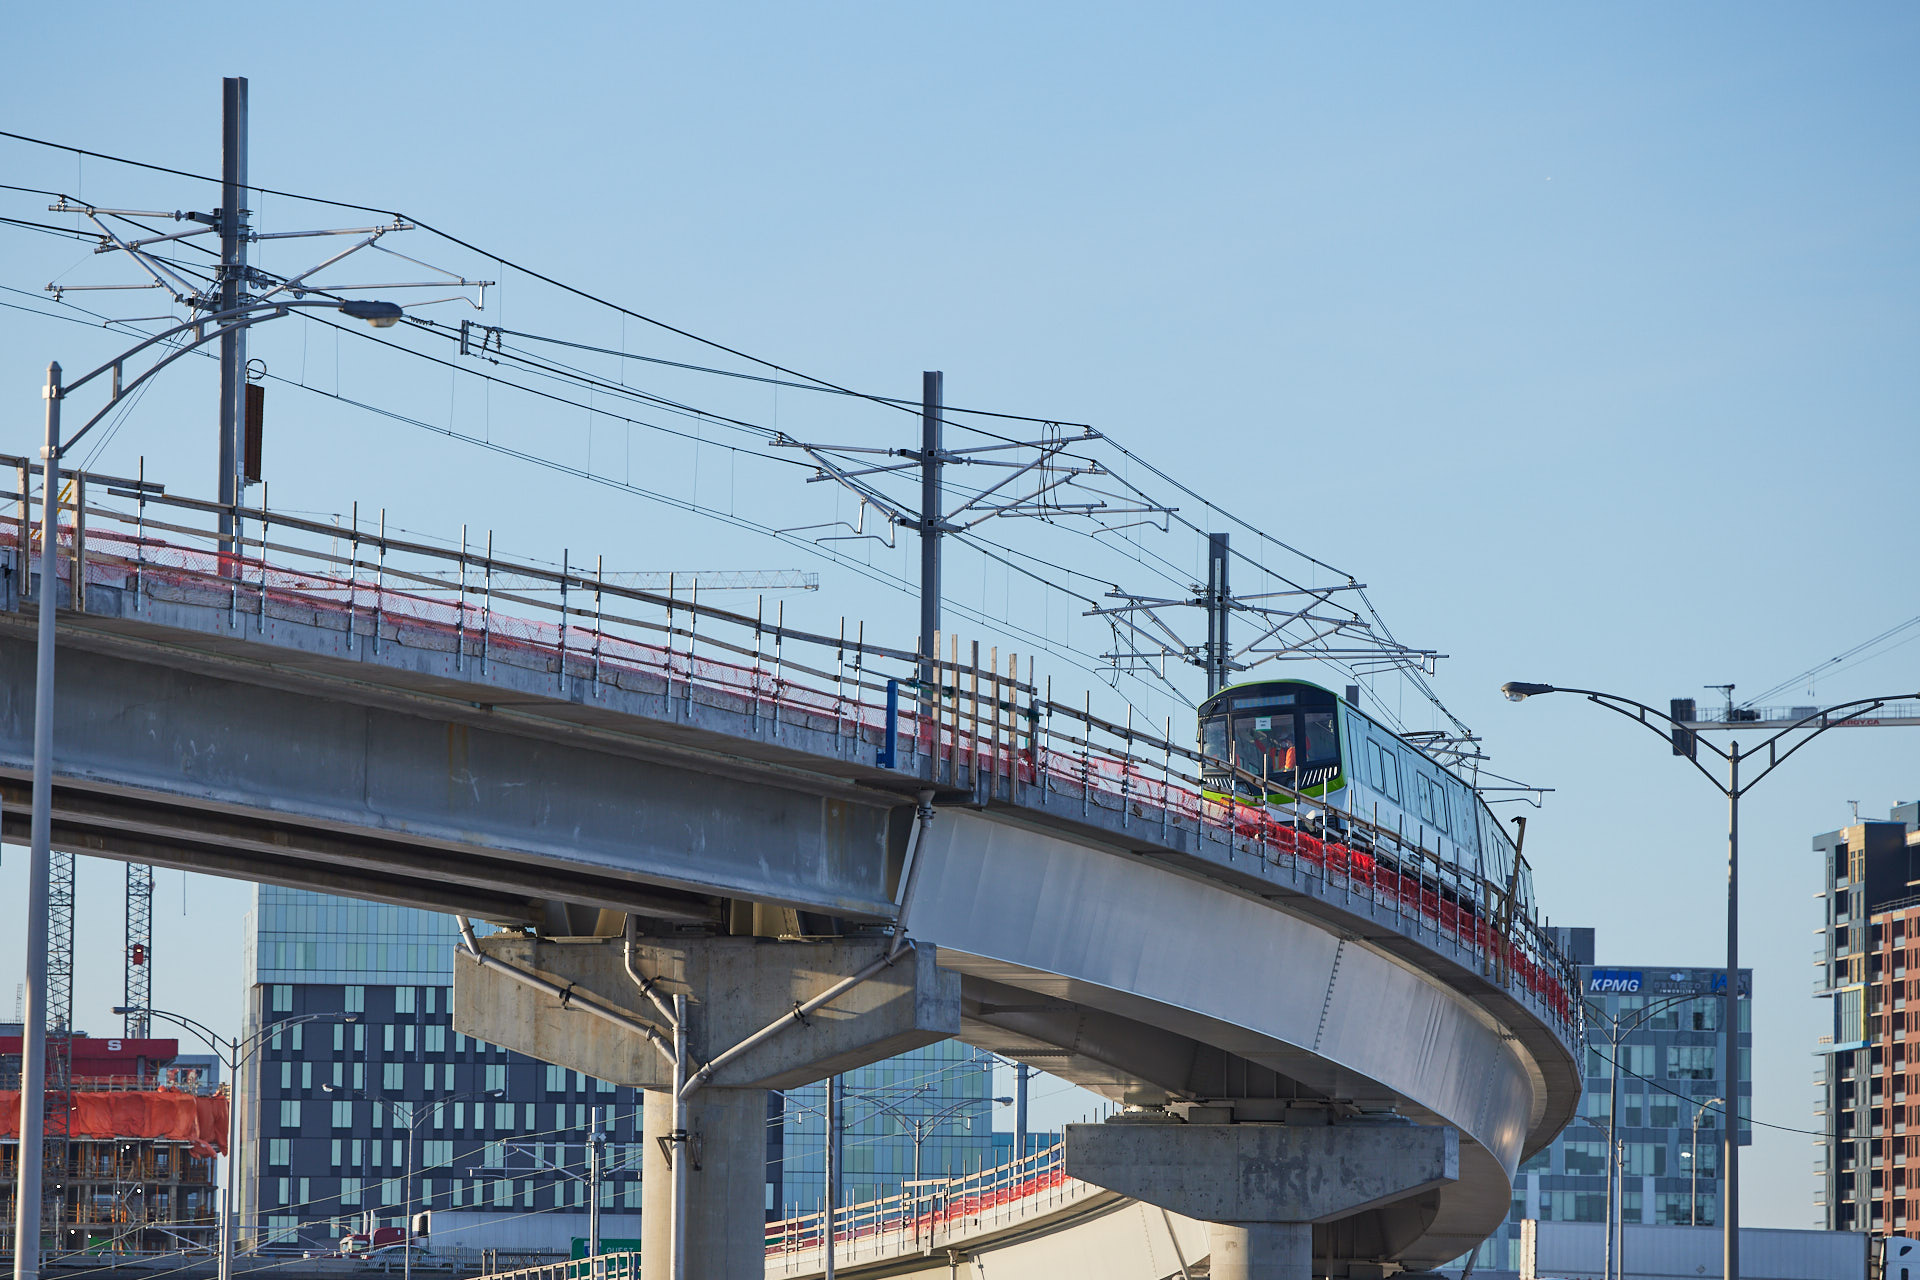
(938, 1099)
(335, 1110)
(1672, 1113)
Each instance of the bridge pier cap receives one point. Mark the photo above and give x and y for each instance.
(734, 987)
(1265, 1186)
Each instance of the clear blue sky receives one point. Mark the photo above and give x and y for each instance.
(1584, 337)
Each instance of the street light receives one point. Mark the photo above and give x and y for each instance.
(432, 1105)
(33, 1036)
(232, 1058)
(1693, 1196)
(1686, 742)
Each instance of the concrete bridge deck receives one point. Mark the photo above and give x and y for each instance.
(385, 718)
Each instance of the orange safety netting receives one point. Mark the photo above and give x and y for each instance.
(159, 1113)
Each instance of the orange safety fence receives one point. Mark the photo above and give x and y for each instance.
(158, 1113)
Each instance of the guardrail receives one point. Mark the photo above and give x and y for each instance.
(606, 1266)
(924, 1214)
(956, 720)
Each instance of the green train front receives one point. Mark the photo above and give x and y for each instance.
(1263, 740)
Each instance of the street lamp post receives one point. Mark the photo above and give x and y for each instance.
(1693, 1196)
(1686, 742)
(33, 1040)
(232, 1059)
(426, 1112)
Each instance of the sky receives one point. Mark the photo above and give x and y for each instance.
(1582, 337)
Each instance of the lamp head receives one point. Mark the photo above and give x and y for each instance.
(1520, 690)
(381, 315)
(1005, 1102)
(121, 1010)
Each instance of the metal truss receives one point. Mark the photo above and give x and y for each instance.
(165, 274)
(1040, 479)
(1318, 629)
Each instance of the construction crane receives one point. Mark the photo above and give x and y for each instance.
(1750, 715)
(138, 961)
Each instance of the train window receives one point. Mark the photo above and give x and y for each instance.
(1319, 741)
(1262, 701)
(1390, 775)
(1440, 808)
(1213, 738)
(1264, 746)
(1423, 797)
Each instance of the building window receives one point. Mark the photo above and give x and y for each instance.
(556, 1079)
(336, 1153)
(432, 999)
(290, 1113)
(356, 1000)
(1690, 1062)
(436, 1037)
(279, 1152)
(393, 1075)
(503, 1116)
(306, 1075)
(403, 998)
(603, 1086)
(359, 1037)
(339, 1038)
(435, 1152)
(282, 998)
(496, 1076)
(343, 1115)
(1585, 1157)
(387, 1033)
(286, 1075)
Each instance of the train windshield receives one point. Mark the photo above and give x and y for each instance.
(1271, 734)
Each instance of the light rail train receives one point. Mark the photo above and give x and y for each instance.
(1264, 743)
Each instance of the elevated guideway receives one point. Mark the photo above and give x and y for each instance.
(579, 762)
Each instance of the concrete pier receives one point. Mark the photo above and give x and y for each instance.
(1265, 1186)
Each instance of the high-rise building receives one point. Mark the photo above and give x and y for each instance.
(1870, 897)
(938, 1099)
(1671, 1122)
(328, 1105)
(498, 1140)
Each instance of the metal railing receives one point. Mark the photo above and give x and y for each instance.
(929, 1212)
(956, 719)
(607, 1266)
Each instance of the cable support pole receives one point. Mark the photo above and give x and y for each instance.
(932, 501)
(232, 287)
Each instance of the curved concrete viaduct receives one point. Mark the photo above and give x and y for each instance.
(318, 732)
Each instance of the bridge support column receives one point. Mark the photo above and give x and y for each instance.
(726, 1186)
(1263, 1187)
(761, 1014)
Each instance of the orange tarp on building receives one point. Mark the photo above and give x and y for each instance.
(158, 1113)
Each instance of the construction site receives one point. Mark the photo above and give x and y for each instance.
(133, 1126)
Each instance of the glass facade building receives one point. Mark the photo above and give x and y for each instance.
(328, 1106)
(939, 1098)
(1668, 1020)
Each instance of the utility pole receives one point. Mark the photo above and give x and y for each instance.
(833, 1140)
(596, 1144)
(1216, 601)
(233, 288)
(33, 1037)
(932, 396)
(1020, 1070)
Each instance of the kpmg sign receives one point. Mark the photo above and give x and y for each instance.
(1614, 980)
(1663, 982)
